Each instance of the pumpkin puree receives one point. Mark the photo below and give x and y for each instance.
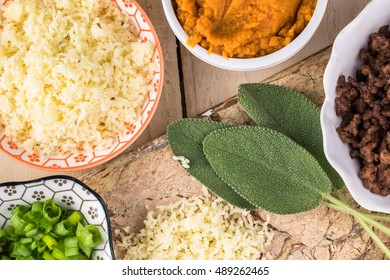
(243, 28)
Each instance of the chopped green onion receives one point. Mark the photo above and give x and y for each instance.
(51, 211)
(58, 254)
(17, 219)
(71, 242)
(37, 207)
(29, 227)
(13, 237)
(86, 250)
(78, 257)
(47, 256)
(71, 246)
(35, 213)
(47, 232)
(55, 236)
(26, 240)
(63, 228)
(33, 245)
(41, 246)
(3, 238)
(69, 252)
(84, 236)
(38, 236)
(61, 245)
(19, 250)
(45, 225)
(50, 242)
(74, 218)
(89, 236)
(32, 232)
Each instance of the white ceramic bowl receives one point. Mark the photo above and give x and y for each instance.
(66, 192)
(247, 64)
(344, 61)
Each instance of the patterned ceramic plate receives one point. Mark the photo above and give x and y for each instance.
(68, 193)
(71, 162)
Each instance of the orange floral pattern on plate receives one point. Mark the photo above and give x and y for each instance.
(34, 158)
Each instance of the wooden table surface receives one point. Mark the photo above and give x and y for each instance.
(192, 86)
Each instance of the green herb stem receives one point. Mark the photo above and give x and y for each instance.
(376, 224)
(374, 237)
(372, 234)
(355, 213)
(360, 215)
(373, 216)
(378, 217)
(341, 197)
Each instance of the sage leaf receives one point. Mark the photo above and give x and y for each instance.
(185, 138)
(292, 114)
(267, 168)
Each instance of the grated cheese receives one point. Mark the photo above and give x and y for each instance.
(197, 228)
(183, 161)
(73, 74)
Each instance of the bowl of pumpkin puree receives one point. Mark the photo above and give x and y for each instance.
(244, 35)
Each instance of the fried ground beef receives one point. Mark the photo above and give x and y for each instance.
(363, 104)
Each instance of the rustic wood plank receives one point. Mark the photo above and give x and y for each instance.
(206, 86)
(169, 108)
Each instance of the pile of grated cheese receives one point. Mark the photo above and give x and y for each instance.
(73, 74)
(197, 228)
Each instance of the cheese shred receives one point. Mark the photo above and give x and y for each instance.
(73, 74)
(197, 228)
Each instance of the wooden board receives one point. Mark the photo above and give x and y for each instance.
(138, 181)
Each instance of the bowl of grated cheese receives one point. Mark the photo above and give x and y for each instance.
(79, 84)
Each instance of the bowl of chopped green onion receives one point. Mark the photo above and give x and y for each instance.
(53, 218)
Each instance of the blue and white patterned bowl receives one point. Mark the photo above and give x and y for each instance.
(68, 193)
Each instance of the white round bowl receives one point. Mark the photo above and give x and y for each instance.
(344, 61)
(247, 64)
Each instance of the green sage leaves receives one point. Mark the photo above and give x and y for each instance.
(279, 166)
(185, 138)
(290, 113)
(267, 168)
